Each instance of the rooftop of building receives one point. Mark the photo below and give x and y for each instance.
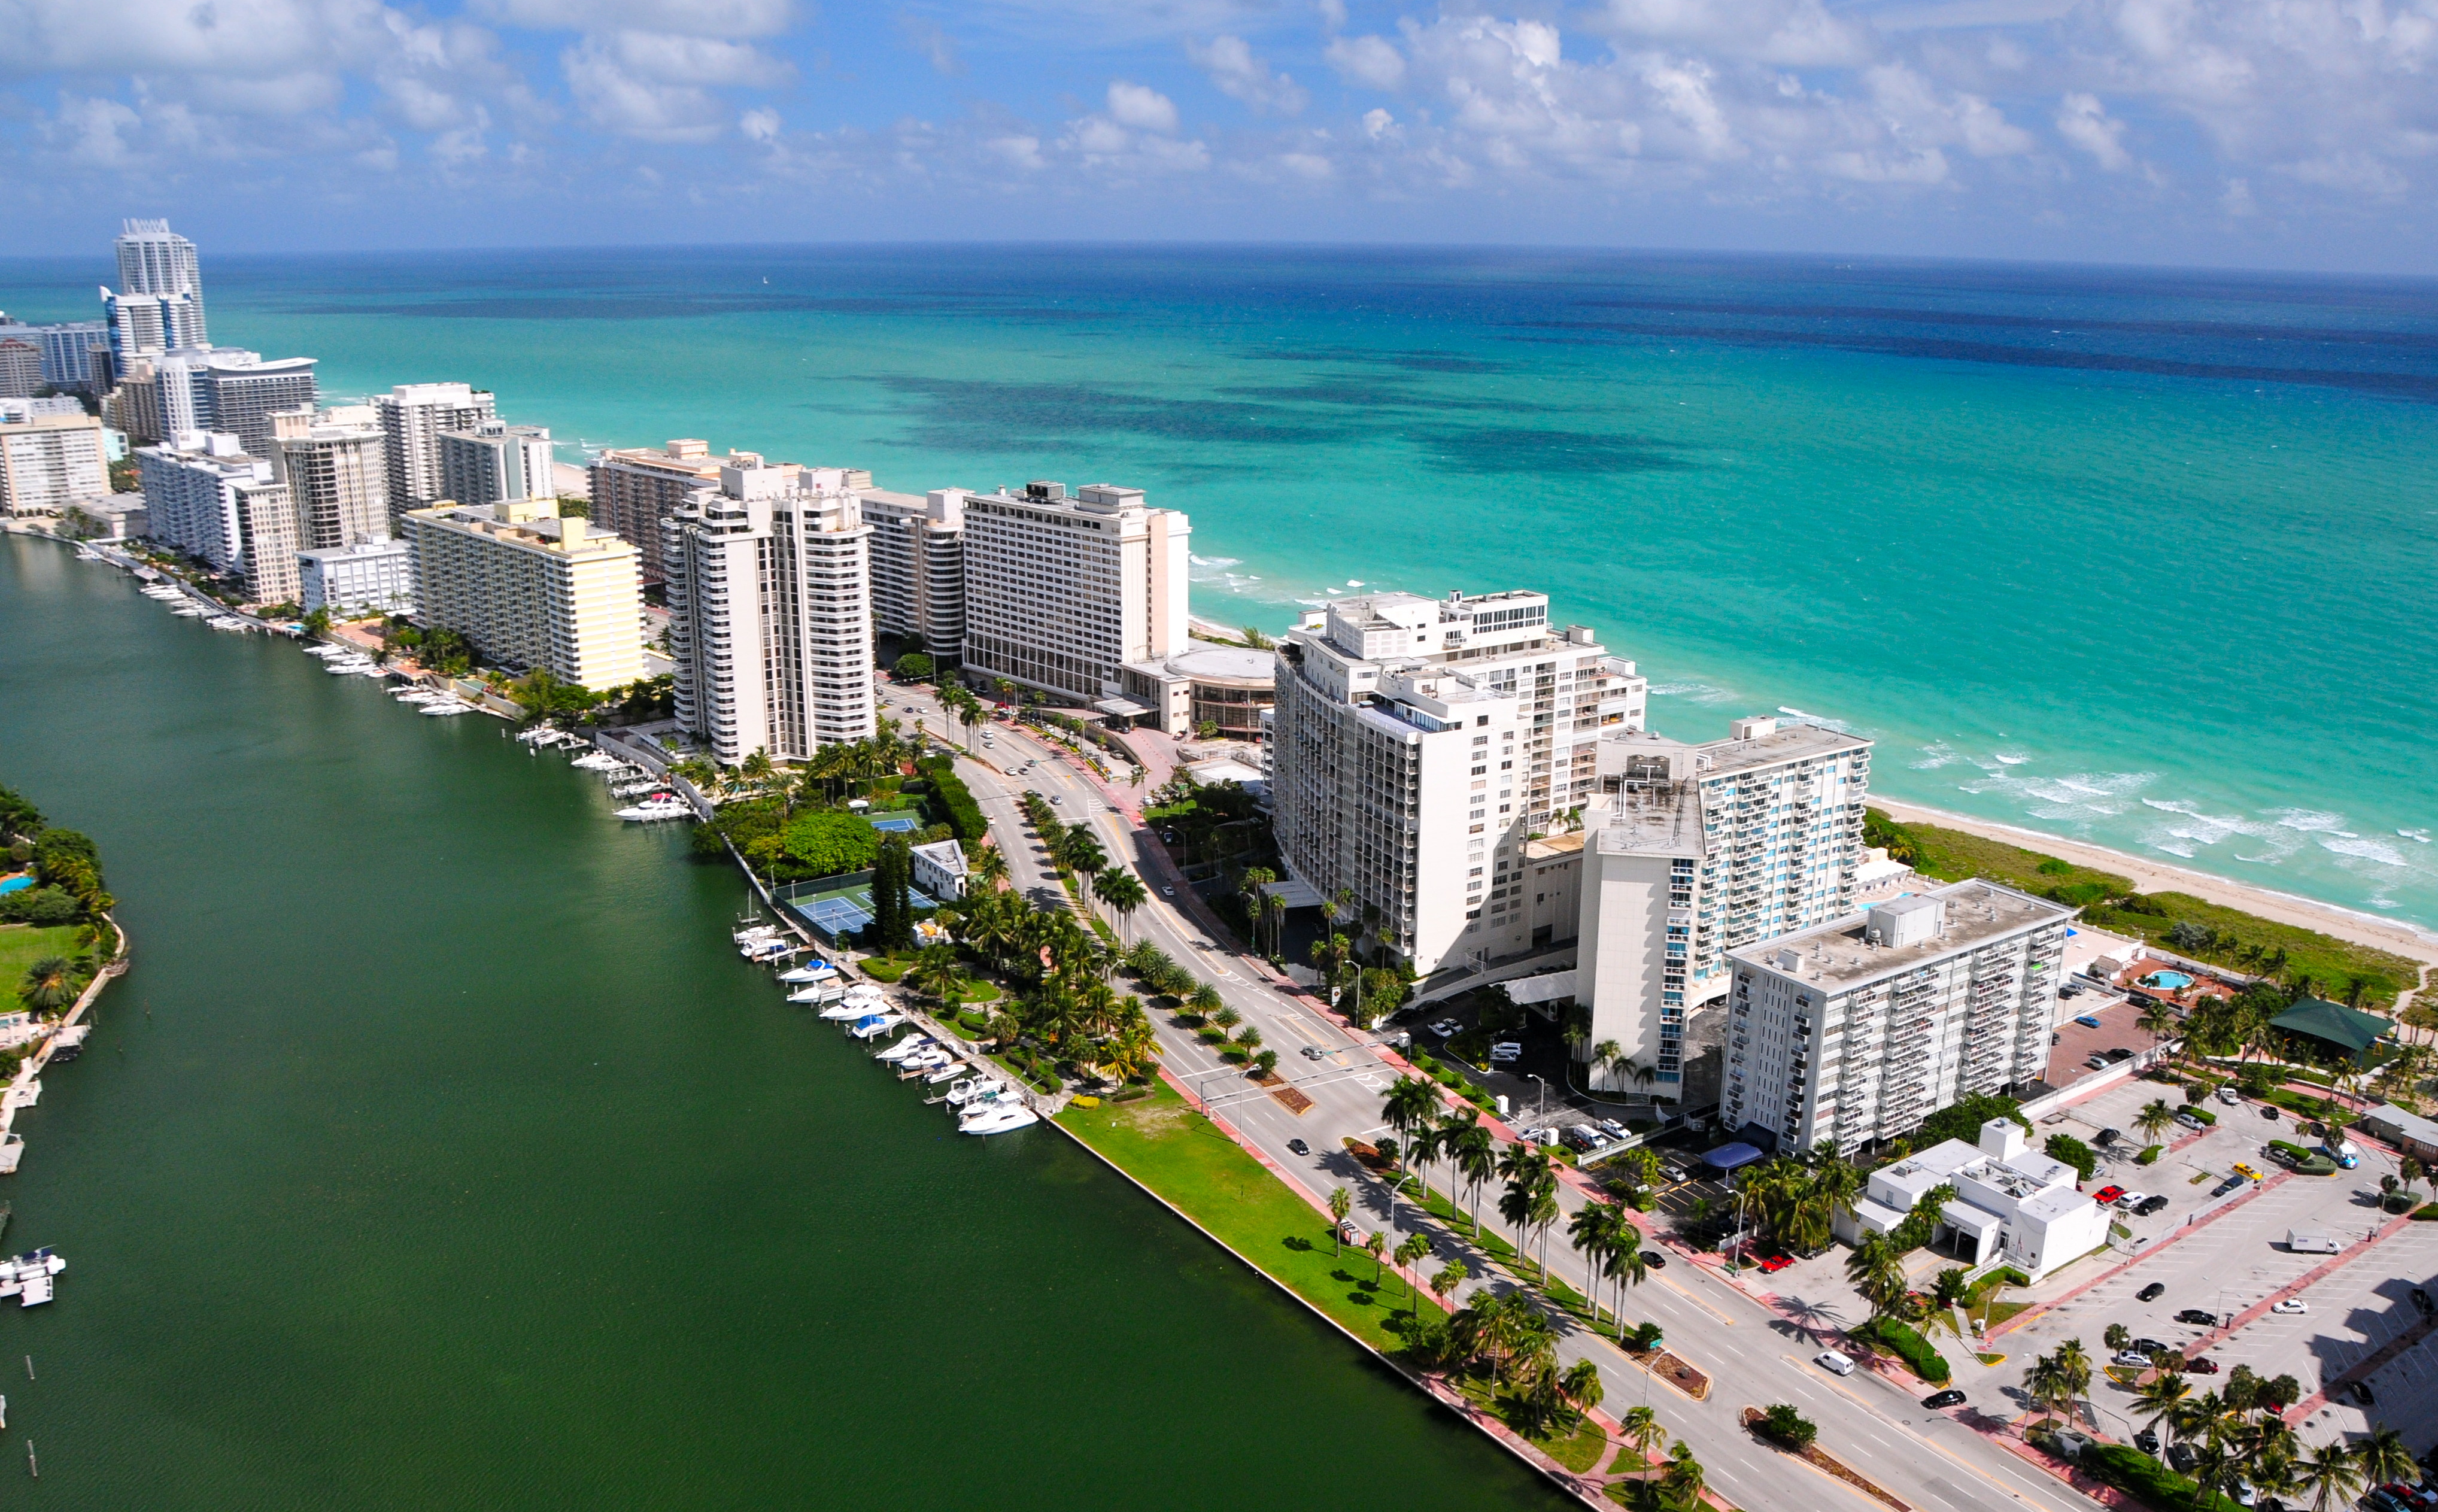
(1095, 500)
(1204, 662)
(1771, 742)
(1838, 956)
(2349, 1028)
(1664, 819)
(528, 527)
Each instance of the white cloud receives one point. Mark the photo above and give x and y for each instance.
(2083, 121)
(1795, 33)
(1374, 63)
(1016, 152)
(760, 124)
(2237, 201)
(937, 48)
(2356, 173)
(95, 132)
(1241, 76)
(1143, 107)
(693, 18)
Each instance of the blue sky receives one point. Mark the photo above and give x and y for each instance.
(2298, 133)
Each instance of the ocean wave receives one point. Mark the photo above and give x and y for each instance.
(1701, 693)
(2007, 759)
(1936, 756)
(2306, 819)
(2379, 851)
(1214, 561)
(1817, 721)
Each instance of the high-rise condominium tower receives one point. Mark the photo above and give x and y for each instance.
(530, 590)
(492, 462)
(918, 566)
(770, 613)
(153, 259)
(1419, 744)
(413, 416)
(334, 463)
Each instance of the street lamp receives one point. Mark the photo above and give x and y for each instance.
(1540, 1108)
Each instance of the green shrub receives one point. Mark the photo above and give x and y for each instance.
(2204, 1116)
(2427, 1212)
(1785, 1424)
(955, 801)
(2149, 1156)
(2074, 1152)
(2131, 1470)
(1900, 1340)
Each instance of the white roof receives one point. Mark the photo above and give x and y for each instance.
(947, 854)
(1546, 988)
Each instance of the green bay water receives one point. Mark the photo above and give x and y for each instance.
(440, 1152)
(2145, 559)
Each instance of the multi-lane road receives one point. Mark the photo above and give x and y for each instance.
(1754, 1358)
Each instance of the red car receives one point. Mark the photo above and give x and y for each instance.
(1775, 1262)
(2202, 1365)
(2107, 1195)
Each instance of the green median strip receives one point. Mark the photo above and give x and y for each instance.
(1182, 1156)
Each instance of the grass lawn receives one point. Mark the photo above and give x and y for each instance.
(1577, 1449)
(978, 992)
(1181, 1155)
(21, 945)
(1498, 1249)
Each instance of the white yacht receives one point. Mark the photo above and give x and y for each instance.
(911, 1044)
(999, 1118)
(227, 622)
(27, 1277)
(873, 1026)
(655, 809)
(597, 761)
(187, 612)
(538, 735)
(931, 1058)
(417, 696)
(448, 706)
(975, 1094)
(811, 971)
(949, 1072)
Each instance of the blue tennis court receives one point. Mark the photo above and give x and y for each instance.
(897, 823)
(838, 916)
(840, 906)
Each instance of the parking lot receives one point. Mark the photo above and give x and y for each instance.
(2354, 1314)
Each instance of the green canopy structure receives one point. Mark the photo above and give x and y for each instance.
(2349, 1031)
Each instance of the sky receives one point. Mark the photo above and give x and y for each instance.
(2280, 134)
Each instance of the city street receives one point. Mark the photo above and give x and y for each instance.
(1754, 1358)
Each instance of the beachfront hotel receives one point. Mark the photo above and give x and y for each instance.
(491, 461)
(412, 417)
(530, 590)
(156, 262)
(1856, 1029)
(264, 514)
(190, 494)
(335, 464)
(769, 605)
(369, 578)
(1062, 591)
(49, 460)
(918, 566)
(1420, 744)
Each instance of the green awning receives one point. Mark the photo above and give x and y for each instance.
(2334, 1023)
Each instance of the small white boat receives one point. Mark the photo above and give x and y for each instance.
(975, 1092)
(417, 696)
(187, 612)
(331, 648)
(899, 1051)
(162, 591)
(931, 1058)
(1000, 1117)
(873, 1026)
(754, 930)
(370, 669)
(27, 1277)
(12, 1150)
(949, 1072)
(538, 734)
(445, 706)
(815, 993)
(850, 1007)
(597, 761)
(811, 971)
(761, 950)
(228, 621)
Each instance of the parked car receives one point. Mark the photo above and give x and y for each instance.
(2147, 1441)
(2149, 1347)
(2198, 1317)
(2071, 990)
(2187, 1121)
(2109, 1136)
(2119, 1052)
(1506, 1051)
(2132, 1199)
(2107, 1195)
(1943, 1399)
(2150, 1204)
(2200, 1365)
(2131, 1359)
(2246, 1172)
(2226, 1095)
(1445, 1028)
(2231, 1183)
(2151, 1293)
(1297, 1147)
(2180, 1457)
(1833, 1363)
(1775, 1261)
(1167, 892)
(2361, 1393)
(2086, 1021)
(2268, 1111)
(2096, 1063)
(2290, 1306)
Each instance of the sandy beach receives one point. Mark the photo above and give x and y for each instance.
(2152, 876)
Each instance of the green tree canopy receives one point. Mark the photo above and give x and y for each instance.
(830, 844)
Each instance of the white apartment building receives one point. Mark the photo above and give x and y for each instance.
(68, 349)
(48, 461)
(634, 489)
(770, 613)
(492, 463)
(265, 517)
(190, 494)
(530, 590)
(1692, 851)
(1859, 1028)
(918, 566)
(149, 324)
(246, 390)
(1061, 592)
(368, 578)
(412, 417)
(155, 260)
(1373, 788)
(2012, 1204)
(336, 466)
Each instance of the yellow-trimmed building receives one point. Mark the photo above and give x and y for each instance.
(530, 590)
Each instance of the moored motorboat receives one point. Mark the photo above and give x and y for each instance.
(657, 808)
(811, 971)
(873, 1026)
(999, 1118)
(903, 1048)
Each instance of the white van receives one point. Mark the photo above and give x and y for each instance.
(2311, 1241)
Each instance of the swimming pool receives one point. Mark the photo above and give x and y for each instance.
(2173, 981)
(16, 883)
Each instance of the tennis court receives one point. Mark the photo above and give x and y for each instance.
(897, 823)
(840, 906)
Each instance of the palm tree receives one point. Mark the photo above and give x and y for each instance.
(1625, 1265)
(1642, 1431)
(2384, 1457)
(1593, 1234)
(1603, 1055)
(1649, 1494)
(2162, 1402)
(1249, 888)
(50, 985)
(1684, 1477)
(1274, 907)
(2074, 1372)
(1530, 1201)
(1475, 1153)
(1877, 1274)
(1410, 1104)
(2214, 1465)
(2331, 1475)
(1378, 1245)
(934, 974)
(1340, 1204)
(2154, 1120)
(2157, 1021)
(1206, 1000)
(1413, 1249)
(991, 870)
(1123, 892)
(1447, 1278)
(1582, 1388)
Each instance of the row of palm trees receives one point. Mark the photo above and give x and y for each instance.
(2238, 1431)
(1059, 974)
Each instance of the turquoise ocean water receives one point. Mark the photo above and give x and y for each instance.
(2150, 559)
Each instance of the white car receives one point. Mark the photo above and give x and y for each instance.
(2130, 1201)
(1833, 1363)
(2289, 1305)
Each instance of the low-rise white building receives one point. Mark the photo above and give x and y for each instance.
(2012, 1204)
(370, 577)
(1224, 689)
(939, 868)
